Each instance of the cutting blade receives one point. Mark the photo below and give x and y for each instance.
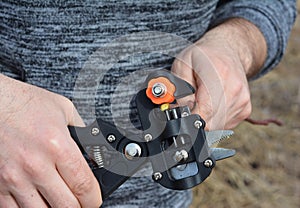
(222, 153)
(217, 136)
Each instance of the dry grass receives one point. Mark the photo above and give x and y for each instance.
(266, 170)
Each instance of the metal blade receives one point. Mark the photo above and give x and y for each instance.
(218, 135)
(222, 153)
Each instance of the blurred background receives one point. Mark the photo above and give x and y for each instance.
(266, 169)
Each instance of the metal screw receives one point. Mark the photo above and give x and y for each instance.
(185, 114)
(157, 176)
(132, 150)
(148, 137)
(95, 131)
(111, 138)
(198, 124)
(158, 89)
(181, 155)
(208, 163)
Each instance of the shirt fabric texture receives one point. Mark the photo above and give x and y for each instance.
(52, 41)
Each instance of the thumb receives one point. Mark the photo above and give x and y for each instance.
(183, 70)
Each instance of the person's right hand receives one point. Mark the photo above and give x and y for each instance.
(40, 164)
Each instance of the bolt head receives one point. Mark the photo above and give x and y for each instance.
(148, 137)
(132, 150)
(185, 114)
(95, 131)
(198, 124)
(111, 138)
(208, 163)
(157, 176)
(181, 155)
(158, 90)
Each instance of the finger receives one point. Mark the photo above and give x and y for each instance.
(240, 114)
(55, 191)
(203, 104)
(20, 188)
(210, 97)
(28, 197)
(182, 69)
(211, 107)
(7, 201)
(76, 173)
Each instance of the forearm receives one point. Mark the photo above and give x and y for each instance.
(243, 39)
(273, 18)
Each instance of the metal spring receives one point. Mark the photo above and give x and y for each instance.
(96, 152)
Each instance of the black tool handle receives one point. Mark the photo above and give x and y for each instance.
(116, 169)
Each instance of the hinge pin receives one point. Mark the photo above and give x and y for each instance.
(132, 150)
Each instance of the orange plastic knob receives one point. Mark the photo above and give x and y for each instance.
(160, 90)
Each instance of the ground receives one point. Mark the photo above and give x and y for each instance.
(266, 169)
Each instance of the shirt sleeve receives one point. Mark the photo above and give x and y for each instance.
(274, 19)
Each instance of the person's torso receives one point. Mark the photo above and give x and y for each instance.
(52, 40)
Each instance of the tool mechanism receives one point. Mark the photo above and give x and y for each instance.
(172, 139)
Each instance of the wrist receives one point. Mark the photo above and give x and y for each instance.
(241, 39)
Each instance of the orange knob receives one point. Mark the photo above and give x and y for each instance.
(160, 90)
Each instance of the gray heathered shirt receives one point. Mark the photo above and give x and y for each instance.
(73, 47)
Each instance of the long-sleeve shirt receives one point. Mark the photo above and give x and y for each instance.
(98, 52)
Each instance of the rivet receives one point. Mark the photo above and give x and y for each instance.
(95, 131)
(157, 176)
(148, 137)
(198, 124)
(111, 138)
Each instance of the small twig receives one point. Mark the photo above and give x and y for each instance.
(264, 122)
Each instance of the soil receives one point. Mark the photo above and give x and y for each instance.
(266, 169)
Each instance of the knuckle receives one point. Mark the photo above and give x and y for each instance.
(224, 69)
(246, 104)
(83, 180)
(34, 168)
(63, 100)
(56, 143)
(54, 146)
(83, 186)
(180, 64)
(206, 110)
(68, 104)
(71, 157)
(10, 177)
(30, 167)
(247, 111)
(176, 63)
(238, 87)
